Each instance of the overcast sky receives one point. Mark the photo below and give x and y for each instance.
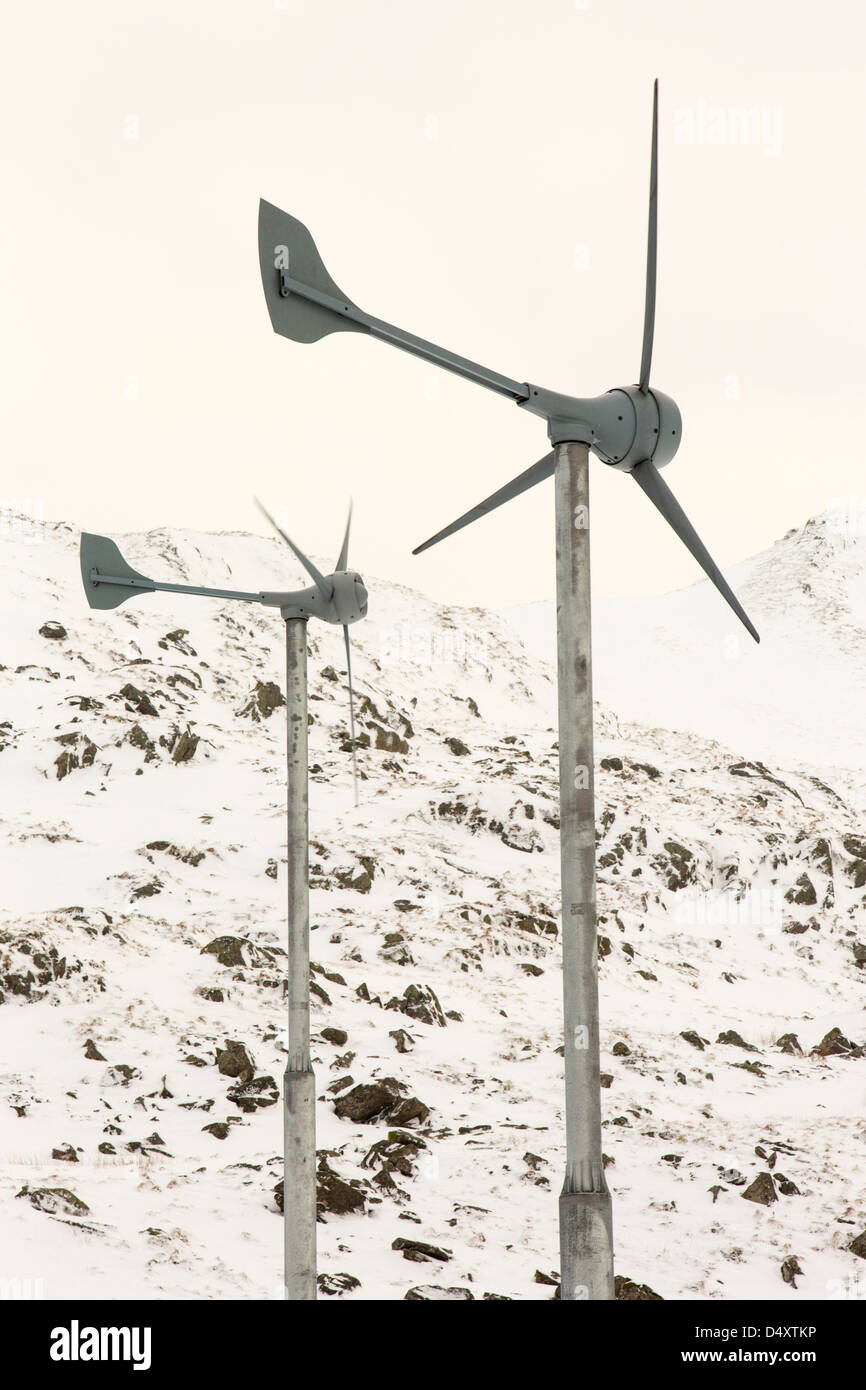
(476, 173)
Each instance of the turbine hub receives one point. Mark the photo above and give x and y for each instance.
(623, 427)
(349, 601)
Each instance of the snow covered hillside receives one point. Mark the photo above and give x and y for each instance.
(142, 944)
(683, 661)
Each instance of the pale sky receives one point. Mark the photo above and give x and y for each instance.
(473, 172)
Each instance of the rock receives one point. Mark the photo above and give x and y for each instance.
(262, 701)
(856, 871)
(395, 950)
(762, 1190)
(606, 1080)
(627, 1291)
(54, 1200)
(388, 740)
(336, 1284)
(859, 950)
(418, 1251)
(69, 758)
(106, 1148)
(365, 1103)
(835, 1044)
(121, 1074)
(435, 1293)
(408, 1110)
(360, 880)
(235, 1060)
(335, 1196)
(691, 1036)
(802, 892)
(682, 865)
(218, 1129)
(175, 639)
(621, 1049)
(396, 1154)
(212, 993)
(338, 1036)
(457, 747)
(92, 1052)
(186, 856)
(66, 1153)
(254, 1094)
(320, 993)
(147, 890)
(732, 1039)
(612, 764)
(184, 748)
(756, 1068)
(789, 1043)
(790, 1269)
(529, 969)
(138, 701)
(551, 1279)
(340, 1084)
(786, 1186)
(858, 1245)
(229, 950)
(403, 1041)
(603, 947)
(137, 738)
(380, 1100)
(272, 869)
(55, 632)
(419, 1002)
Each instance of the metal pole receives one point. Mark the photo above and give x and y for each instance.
(299, 1173)
(585, 1221)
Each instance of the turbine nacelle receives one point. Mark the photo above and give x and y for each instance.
(342, 600)
(624, 427)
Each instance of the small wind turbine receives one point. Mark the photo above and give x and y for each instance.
(339, 598)
(637, 430)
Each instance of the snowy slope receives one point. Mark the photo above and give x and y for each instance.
(683, 661)
(434, 912)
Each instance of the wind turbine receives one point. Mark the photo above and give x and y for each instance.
(635, 429)
(339, 598)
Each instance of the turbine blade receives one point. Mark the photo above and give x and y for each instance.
(647, 477)
(649, 315)
(344, 552)
(536, 474)
(322, 584)
(351, 711)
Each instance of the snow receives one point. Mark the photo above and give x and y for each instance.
(683, 660)
(464, 854)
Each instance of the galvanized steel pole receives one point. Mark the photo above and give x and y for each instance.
(585, 1221)
(299, 1174)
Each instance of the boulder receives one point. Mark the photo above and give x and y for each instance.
(56, 1201)
(627, 1291)
(235, 1060)
(255, 1094)
(762, 1190)
(419, 1251)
